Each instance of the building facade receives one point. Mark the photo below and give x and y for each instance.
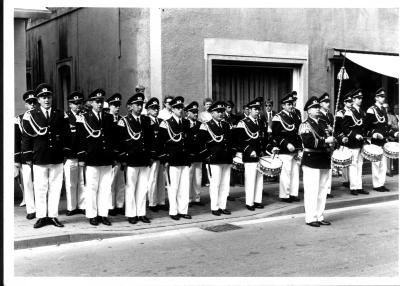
(236, 54)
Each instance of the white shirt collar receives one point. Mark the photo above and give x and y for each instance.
(44, 110)
(177, 119)
(216, 122)
(253, 119)
(379, 105)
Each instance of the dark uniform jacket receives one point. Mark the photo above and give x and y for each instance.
(339, 132)
(97, 139)
(297, 116)
(18, 131)
(135, 140)
(316, 152)
(45, 141)
(251, 137)
(74, 141)
(285, 131)
(265, 118)
(155, 144)
(193, 144)
(174, 140)
(232, 119)
(354, 124)
(216, 143)
(376, 121)
(328, 117)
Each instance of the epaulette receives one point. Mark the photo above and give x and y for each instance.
(203, 126)
(164, 124)
(276, 117)
(27, 115)
(80, 118)
(121, 122)
(349, 112)
(240, 124)
(371, 110)
(304, 128)
(17, 120)
(65, 115)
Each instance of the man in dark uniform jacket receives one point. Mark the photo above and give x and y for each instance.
(135, 140)
(285, 132)
(252, 141)
(97, 154)
(74, 186)
(117, 175)
(45, 145)
(340, 136)
(175, 154)
(216, 151)
(316, 164)
(156, 182)
(23, 169)
(296, 111)
(377, 126)
(195, 171)
(354, 128)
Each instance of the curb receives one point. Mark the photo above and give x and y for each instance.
(79, 237)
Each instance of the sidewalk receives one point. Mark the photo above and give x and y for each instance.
(77, 227)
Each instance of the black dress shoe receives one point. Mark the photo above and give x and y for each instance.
(258, 206)
(93, 221)
(104, 220)
(354, 192)
(346, 184)
(40, 222)
(54, 221)
(31, 216)
(385, 189)
(80, 211)
(217, 213)
(186, 216)
(379, 189)
(294, 199)
(174, 217)
(362, 191)
(250, 208)
(286, 200)
(230, 198)
(314, 224)
(324, 222)
(153, 208)
(112, 212)
(198, 204)
(225, 211)
(144, 219)
(133, 220)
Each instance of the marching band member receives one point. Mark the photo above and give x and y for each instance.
(44, 147)
(175, 155)
(156, 181)
(296, 111)
(376, 124)
(340, 135)
(97, 154)
(74, 187)
(195, 174)
(285, 132)
(216, 151)
(325, 115)
(252, 140)
(316, 164)
(135, 140)
(117, 195)
(354, 128)
(23, 168)
(166, 112)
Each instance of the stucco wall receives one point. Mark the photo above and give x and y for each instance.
(19, 64)
(92, 42)
(184, 30)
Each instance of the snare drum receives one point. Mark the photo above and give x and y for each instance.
(269, 166)
(237, 163)
(372, 152)
(391, 150)
(341, 158)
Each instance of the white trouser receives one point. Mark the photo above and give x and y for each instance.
(178, 191)
(253, 183)
(379, 172)
(117, 195)
(47, 184)
(156, 184)
(195, 181)
(97, 191)
(81, 190)
(27, 183)
(316, 184)
(135, 191)
(289, 178)
(219, 185)
(73, 187)
(355, 169)
(345, 174)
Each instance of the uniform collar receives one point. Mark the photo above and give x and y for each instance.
(177, 119)
(44, 110)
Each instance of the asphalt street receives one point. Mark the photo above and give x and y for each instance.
(362, 241)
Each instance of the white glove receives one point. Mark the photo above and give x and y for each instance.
(359, 137)
(290, 147)
(82, 164)
(396, 134)
(377, 136)
(330, 139)
(275, 150)
(345, 139)
(253, 154)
